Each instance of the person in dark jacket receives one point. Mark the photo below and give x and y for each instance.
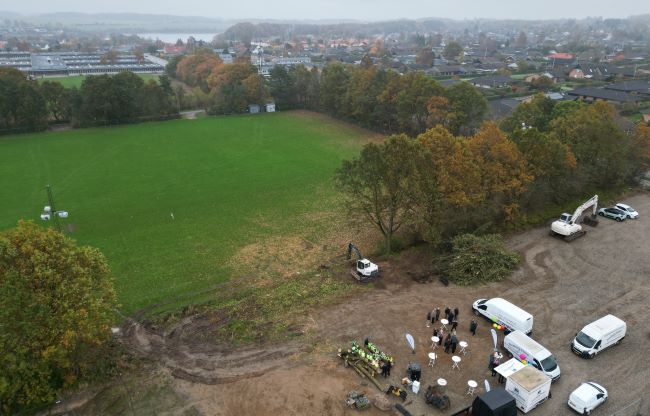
(447, 343)
(441, 336)
(454, 342)
(437, 314)
(447, 310)
(454, 324)
(472, 327)
(456, 312)
(385, 369)
(451, 317)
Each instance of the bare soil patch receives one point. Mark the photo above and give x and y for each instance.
(565, 286)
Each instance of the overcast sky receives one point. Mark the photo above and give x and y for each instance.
(346, 9)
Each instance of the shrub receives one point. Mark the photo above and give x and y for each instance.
(477, 259)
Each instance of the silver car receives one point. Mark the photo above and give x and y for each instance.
(613, 213)
(630, 212)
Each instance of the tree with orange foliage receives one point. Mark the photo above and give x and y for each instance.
(195, 69)
(447, 179)
(503, 169)
(439, 112)
(56, 307)
(641, 147)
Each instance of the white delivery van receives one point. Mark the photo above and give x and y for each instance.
(530, 387)
(502, 312)
(598, 335)
(523, 347)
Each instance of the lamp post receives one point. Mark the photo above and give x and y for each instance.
(50, 211)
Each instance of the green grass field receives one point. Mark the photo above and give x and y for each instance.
(75, 81)
(229, 182)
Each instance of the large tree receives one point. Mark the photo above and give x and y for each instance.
(452, 50)
(333, 86)
(378, 182)
(600, 146)
(56, 305)
(468, 106)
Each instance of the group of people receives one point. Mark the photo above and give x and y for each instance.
(450, 315)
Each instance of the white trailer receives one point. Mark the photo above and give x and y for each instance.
(530, 388)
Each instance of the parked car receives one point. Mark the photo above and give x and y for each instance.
(613, 213)
(629, 211)
(587, 397)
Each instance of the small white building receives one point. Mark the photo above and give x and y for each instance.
(270, 108)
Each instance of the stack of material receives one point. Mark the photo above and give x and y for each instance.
(435, 396)
(357, 400)
(361, 365)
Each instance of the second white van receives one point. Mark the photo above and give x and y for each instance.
(522, 347)
(595, 337)
(502, 312)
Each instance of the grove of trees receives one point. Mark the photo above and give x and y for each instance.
(440, 184)
(372, 97)
(56, 307)
(26, 105)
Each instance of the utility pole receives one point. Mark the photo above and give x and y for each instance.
(50, 210)
(50, 199)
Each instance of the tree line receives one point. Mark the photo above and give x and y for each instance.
(375, 98)
(26, 105)
(439, 184)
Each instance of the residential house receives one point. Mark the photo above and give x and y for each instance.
(269, 107)
(254, 108)
(576, 73)
(561, 58)
(601, 94)
(499, 109)
(492, 81)
(633, 86)
(448, 70)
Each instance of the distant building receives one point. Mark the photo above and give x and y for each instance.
(634, 87)
(499, 109)
(292, 60)
(494, 81)
(254, 108)
(226, 58)
(448, 70)
(174, 49)
(76, 63)
(601, 94)
(270, 107)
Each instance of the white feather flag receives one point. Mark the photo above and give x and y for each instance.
(411, 342)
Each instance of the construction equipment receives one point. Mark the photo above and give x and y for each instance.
(365, 269)
(568, 226)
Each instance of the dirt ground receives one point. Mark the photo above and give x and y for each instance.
(564, 285)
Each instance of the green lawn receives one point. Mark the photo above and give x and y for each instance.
(75, 81)
(229, 182)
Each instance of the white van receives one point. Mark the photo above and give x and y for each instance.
(521, 345)
(598, 335)
(502, 312)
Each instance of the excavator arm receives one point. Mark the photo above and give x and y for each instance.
(353, 248)
(590, 203)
